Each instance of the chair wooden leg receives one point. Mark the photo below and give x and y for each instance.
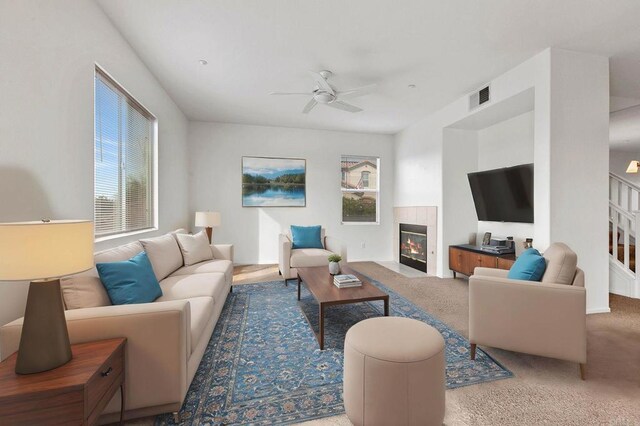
(583, 371)
(473, 351)
(176, 417)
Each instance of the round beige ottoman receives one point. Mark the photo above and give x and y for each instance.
(394, 373)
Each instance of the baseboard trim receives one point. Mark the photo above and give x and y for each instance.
(598, 311)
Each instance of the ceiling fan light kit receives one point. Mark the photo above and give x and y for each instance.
(325, 94)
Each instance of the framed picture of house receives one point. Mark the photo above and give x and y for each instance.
(273, 182)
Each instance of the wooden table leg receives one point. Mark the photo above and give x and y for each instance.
(122, 404)
(321, 335)
(299, 282)
(386, 306)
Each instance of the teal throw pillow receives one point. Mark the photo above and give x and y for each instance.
(530, 266)
(306, 237)
(130, 281)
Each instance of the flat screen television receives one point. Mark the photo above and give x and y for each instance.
(504, 195)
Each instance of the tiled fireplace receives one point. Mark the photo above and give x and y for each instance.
(420, 237)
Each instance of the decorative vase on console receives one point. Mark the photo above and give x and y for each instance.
(334, 265)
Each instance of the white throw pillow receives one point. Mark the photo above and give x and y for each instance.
(195, 248)
(164, 254)
(84, 290)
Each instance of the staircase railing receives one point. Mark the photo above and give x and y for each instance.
(624, 193)
(624, 218)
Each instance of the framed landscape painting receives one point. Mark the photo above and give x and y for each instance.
(273, 182)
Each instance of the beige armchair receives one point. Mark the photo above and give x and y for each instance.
(546, 318)
(290, 259)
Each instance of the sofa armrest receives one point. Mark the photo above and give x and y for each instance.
(490, 272)
(335, 245)
(222, 251)
(158, 346)
(525, 316)
(284, 255)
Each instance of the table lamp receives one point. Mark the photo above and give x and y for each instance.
(208, 220)
(42, 252)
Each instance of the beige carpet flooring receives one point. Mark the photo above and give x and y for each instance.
(543, 391)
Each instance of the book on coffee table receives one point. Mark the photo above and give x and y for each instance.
(345, 278)
(348, 285)
(346, 281)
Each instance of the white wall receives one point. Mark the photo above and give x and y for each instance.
(459, 157)
(216, 150)
(507, 143)
(48, 51)
(421, 147)
(580, 136)
(570, 130)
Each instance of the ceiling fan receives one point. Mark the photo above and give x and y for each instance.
(327, 95)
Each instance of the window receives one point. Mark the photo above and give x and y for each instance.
(360, 189)
(124, 145)
(365, 178)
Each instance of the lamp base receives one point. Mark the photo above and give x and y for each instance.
(209, 231)
(44, 343)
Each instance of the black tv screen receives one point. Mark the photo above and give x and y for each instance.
(504, 195)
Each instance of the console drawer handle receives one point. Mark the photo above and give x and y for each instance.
(106, 373)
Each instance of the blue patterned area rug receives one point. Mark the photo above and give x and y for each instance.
(263, 365)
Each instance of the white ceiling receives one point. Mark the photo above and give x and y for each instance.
(446, 48)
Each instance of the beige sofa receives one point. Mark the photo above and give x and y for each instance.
(166, 339)
(290, 259)
(546, 318)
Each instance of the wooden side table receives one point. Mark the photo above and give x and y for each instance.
(74, 393)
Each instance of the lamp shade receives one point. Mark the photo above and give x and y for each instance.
(35, 250)
(208, 219)
(633, 167)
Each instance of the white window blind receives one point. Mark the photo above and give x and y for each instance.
(124, 143)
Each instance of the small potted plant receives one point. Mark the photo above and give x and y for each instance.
(334, 266)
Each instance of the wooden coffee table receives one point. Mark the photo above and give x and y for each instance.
(320, 284)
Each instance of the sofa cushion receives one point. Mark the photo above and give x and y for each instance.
(201, 312)
(164, 254)
(194, 248)
(562, 263)
(215, 265)
(181, 287)
(306, 237)
(301, 258)
(130, 281)
(85, 290)
(530, 266)
(119, 253)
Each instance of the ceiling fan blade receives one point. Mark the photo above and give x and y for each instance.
(354, 93)
(344, 106)
(321, 82)
(309, 106)
(290, 93)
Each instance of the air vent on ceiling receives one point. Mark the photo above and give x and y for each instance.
(480, 97)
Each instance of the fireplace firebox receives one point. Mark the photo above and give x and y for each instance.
(413, 246)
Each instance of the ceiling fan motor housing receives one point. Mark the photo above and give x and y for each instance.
(323, 97)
